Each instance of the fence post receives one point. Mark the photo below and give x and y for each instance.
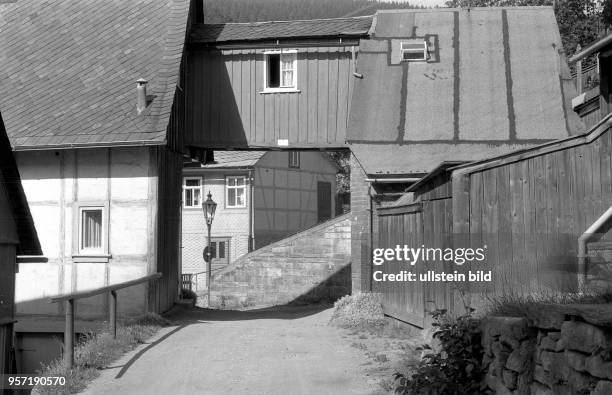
(113, 314)
(69, 335)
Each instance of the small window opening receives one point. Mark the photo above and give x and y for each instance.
(274, 71)
(412, 52)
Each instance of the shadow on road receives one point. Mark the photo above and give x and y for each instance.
(198, 314)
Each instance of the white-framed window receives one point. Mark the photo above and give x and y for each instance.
(219, 250)
(235, 187)
(294, 159)
(92, 230)
(413, 51)
(280, 73)
(192, 192)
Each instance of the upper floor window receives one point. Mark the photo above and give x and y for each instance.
(281, 71)
(294, 159)
(236, 191)
(192, 192)
(91, 230)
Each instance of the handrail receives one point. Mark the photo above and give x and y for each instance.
(582, 250)
(7, 321)
(70, 311)
(109, 288)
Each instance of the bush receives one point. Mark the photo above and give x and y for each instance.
(358, 311)
(455, 367)
(188, 294)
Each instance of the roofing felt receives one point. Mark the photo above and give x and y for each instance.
(254, 31)
(235, 159)
(496, 80)
(9, 176)
(68, 70)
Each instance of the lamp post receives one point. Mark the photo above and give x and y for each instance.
(209, 206)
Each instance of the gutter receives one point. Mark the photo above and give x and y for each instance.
(390, 180)
(582, 249)
(251, 246)
(144, 143)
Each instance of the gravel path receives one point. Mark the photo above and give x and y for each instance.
(270, 351)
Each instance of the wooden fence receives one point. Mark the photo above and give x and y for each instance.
(528, 208)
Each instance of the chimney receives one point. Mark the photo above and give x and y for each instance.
(141, 92)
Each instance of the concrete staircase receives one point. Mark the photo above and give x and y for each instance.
(310, 266)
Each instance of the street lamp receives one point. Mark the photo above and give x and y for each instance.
(209, 206)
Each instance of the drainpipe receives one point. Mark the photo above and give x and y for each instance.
(582, 250)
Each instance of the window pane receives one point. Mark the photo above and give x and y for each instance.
(213, 249)
(273, 71)
(239, 181)
(221, 249)
(231, 197)
(287, 61)
(240, 197)
(287, 78)
(188, 197)
(192, 183)
(91, 229)
(196, 197)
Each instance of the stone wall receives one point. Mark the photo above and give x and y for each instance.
(560, 350)
(311, 266)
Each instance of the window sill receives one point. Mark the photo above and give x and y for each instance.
(92, 258)
(279, 90)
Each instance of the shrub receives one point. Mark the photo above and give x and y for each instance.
(359, 310)
(455, 367)
(188, 294)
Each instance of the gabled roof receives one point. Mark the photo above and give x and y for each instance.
(231, 159)
(496, 80)
(9, 177)
(257, 31)
(68, 70)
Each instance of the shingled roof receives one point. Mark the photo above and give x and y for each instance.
(68, 70)
(257, 31)
(231, 159)
(19, 215)
(496, 80)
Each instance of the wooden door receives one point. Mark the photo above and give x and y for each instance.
(324, 200)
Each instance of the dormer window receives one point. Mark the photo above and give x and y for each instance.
(413, 51)
(280, 71)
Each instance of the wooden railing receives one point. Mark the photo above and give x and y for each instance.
(70, 310)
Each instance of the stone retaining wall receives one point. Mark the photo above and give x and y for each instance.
(311, 266)
(561, 350)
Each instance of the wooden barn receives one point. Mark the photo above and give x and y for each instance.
(17, 237)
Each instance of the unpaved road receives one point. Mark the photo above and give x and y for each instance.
(269, 351)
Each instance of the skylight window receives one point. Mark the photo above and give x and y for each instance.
(414, 51)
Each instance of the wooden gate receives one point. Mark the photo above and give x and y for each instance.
(399, 226)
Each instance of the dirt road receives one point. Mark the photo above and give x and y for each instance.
(270, 351)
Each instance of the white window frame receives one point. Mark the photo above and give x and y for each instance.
(185, 187)
(422, 51)
(80, 254)
(228, 187)
(281, 89)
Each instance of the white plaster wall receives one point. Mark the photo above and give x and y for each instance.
(55, 183)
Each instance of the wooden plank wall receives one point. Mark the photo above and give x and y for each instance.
(226, 108)
(530, 211)
(7, 307)
(168, 227)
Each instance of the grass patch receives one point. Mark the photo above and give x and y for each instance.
(95, 351)
(360, 311)
(530, 305)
